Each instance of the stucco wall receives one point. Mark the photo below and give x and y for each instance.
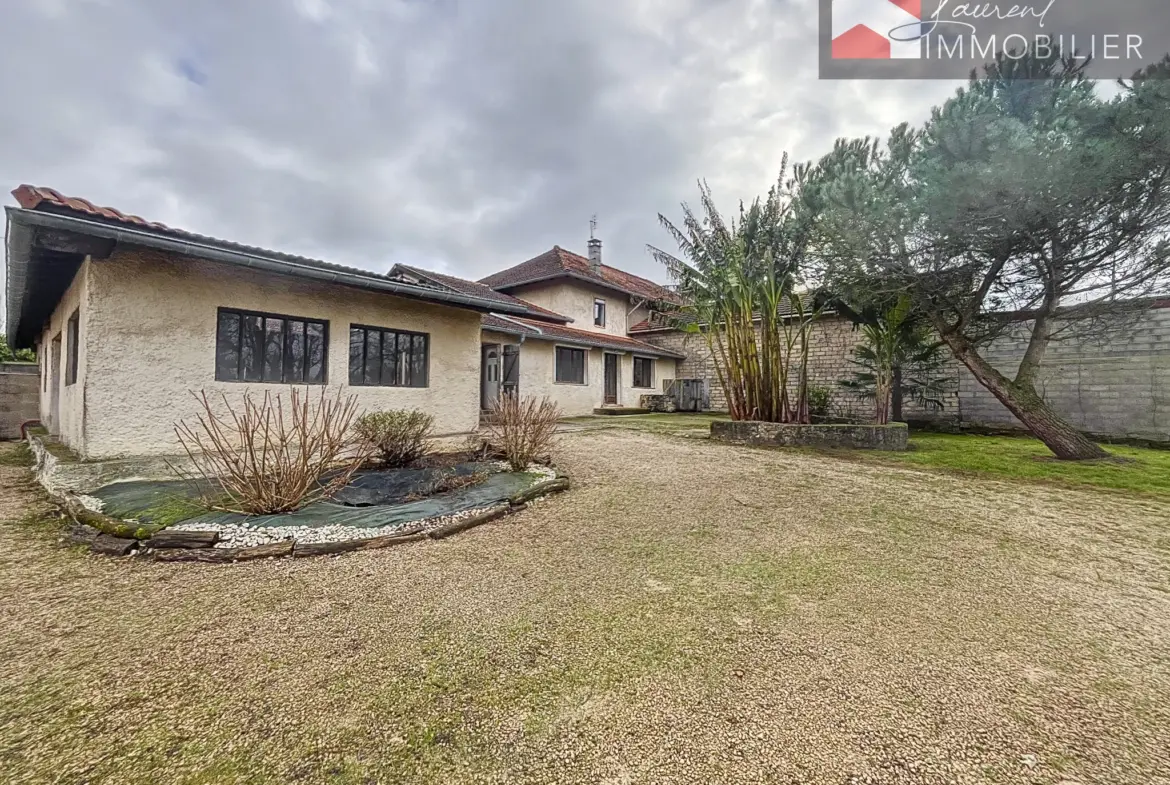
(151, 339)
(68, 421)
(538, 376)
(19, 397)
(575, 299)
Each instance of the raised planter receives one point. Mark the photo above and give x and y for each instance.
(893, 437)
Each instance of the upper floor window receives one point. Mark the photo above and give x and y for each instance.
(72, 338)
(599, 313)
(264, 347)
(387, 358)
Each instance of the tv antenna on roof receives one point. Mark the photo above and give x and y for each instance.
(593, 227)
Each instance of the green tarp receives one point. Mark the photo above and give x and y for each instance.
(380, 494)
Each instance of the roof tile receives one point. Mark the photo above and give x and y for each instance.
(558, 261)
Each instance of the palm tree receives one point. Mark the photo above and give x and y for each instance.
(739, 283)
(899, 360)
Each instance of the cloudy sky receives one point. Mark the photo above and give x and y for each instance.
(462, 135)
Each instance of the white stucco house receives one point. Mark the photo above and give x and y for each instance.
(129, 317)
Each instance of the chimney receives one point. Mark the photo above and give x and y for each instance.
(595, 254)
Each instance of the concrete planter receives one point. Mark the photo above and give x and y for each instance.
(892, 437)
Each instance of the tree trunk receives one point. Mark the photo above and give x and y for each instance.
(1065, 441)
(896, 396)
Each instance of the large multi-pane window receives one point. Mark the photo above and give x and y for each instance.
(387, 358)
(643, 372)
(570, 365)
(265, 347)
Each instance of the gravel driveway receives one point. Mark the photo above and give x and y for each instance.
(689, 612)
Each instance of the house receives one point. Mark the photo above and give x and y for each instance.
(577, 349)
(130, 317)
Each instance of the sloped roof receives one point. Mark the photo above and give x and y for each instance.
(558, 262)
(475, 289)
(33, 284)
(544, 331)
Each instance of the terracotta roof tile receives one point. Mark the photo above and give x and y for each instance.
(31, 197)
(558, 262)
(475, 289)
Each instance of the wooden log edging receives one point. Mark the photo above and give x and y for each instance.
(120, 538)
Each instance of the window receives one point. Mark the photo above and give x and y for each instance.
(643, 372)
(387, 358)
(599, 313)
(263, 347)
(570, 365)
(72, 334)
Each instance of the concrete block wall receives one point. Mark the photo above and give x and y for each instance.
(831, 344)
(19, 397)
(1114, 383)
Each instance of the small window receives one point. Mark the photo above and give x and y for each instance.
(72, 335)
(643, 372)
(570, 365)
(387, 358)
(262, 347)
(599, 313)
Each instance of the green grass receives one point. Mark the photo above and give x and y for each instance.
(20, 455)
(1018, 458)
(1025, 459)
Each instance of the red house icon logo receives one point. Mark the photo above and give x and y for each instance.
(876, 29)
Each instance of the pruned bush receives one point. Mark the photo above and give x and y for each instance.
(396, 437)
(820, 402)
(521, 429)
(260, 457)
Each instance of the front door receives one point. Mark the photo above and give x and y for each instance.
(490, 377)
(611, 378)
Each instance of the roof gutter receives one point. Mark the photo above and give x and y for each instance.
(258, 261)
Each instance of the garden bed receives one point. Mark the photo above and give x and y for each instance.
(892, 438)
(377, 509)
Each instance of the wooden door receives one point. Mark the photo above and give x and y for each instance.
(490, 377)
(611, 378)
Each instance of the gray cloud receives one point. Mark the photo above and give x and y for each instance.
(464, 135)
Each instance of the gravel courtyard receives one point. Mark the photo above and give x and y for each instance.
(689, 612)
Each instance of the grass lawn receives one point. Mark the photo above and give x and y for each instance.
(1016, 458)
(1145, 471)
(689, 612)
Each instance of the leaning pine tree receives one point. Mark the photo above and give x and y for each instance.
(739, 281)
(1027, 207)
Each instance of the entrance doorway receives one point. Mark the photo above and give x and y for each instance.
(611, 379)
(490, 377)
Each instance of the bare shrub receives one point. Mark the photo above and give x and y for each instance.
(397, 437)
(261, 457)
(521, 429)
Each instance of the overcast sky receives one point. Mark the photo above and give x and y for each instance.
(460, 135)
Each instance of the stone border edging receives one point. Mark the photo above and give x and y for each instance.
(97, 531)
(892, 437)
